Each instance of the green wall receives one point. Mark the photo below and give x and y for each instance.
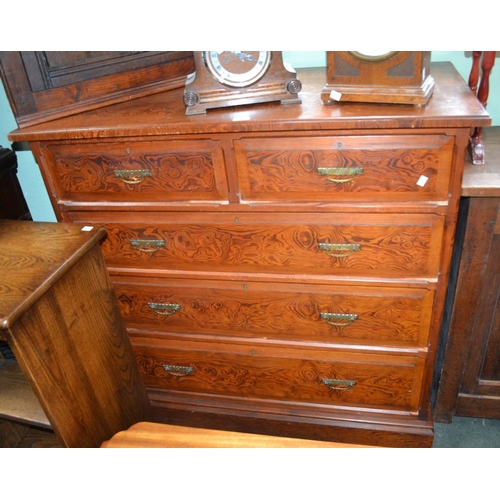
(31, 180)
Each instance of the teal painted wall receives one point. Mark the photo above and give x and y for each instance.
(31, 179)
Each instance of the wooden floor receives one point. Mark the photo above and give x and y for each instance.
(15, 435)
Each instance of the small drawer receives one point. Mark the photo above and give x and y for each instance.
(290, 313)
(161, 171)
(380, 382)
(329, 169)
(365, 245)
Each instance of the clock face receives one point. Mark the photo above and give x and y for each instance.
(373, 55)
(237, 69)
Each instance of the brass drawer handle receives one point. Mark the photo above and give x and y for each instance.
(338, 385)
(340, 249)
(132, 176)
(338, 319)
(178, 371)
(341, 174)
(164, 309)
(148, 246)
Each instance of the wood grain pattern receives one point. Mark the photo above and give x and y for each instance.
(391, 168)
(390, 246)
(175, 170)
(65, 331)
(282, 313)
(153, 435)
(271, 234)
(382, 382)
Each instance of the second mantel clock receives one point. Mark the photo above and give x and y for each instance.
(389, 77)
(235, 78)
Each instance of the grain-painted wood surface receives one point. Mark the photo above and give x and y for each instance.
(274, 216)
(281, 313)
(452, 105)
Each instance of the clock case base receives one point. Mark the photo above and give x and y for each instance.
(211, 94)
(403, 78)
(385, 95)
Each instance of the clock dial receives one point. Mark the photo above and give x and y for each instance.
(238, 68)
(373, 55)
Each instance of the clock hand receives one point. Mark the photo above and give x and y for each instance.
(244, 57)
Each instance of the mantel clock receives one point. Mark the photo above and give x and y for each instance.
(389, 77)
(236, 78)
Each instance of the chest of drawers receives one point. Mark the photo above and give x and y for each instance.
(280, 269)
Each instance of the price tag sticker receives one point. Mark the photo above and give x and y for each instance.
(422, 181)
(241, 117)
(87, 228)
(336, 96)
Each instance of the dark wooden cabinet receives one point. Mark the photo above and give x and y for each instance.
(44, 85)
(280, 269)
(470, 379)
(12, 201)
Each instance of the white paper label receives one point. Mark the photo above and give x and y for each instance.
(241, 117)
(336, 96)
(422, 181)
(87, 228)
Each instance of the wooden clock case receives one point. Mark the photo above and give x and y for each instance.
(203, 91)
(399, 78)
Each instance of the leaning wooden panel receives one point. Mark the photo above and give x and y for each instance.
(60, 317)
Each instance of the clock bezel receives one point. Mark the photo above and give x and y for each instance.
(238, 80)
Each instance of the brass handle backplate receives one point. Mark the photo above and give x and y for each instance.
(132, 176)
(338, 385)
(338, 319)
(178, 371)
(148, 246)
(164, 309)
(340, 175)
(340, 249)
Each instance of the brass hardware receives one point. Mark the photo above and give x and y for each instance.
(132, 176)
(164, 309)
(148, 246)
(338, 319)
(178, 371)
(346, 174)
(345, 249)
(338, 385)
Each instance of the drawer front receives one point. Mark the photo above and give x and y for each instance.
(385, 246)
(279, 312)
(377, 382)
(138, 171)
(372, 168)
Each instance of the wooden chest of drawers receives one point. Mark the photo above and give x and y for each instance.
(280, 269)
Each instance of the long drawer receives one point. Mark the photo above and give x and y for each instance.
(366, 245)
(364, 316)
(132, 171)
(379, 382)
(376, 168)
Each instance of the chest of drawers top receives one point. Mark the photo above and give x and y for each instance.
(452, 105)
